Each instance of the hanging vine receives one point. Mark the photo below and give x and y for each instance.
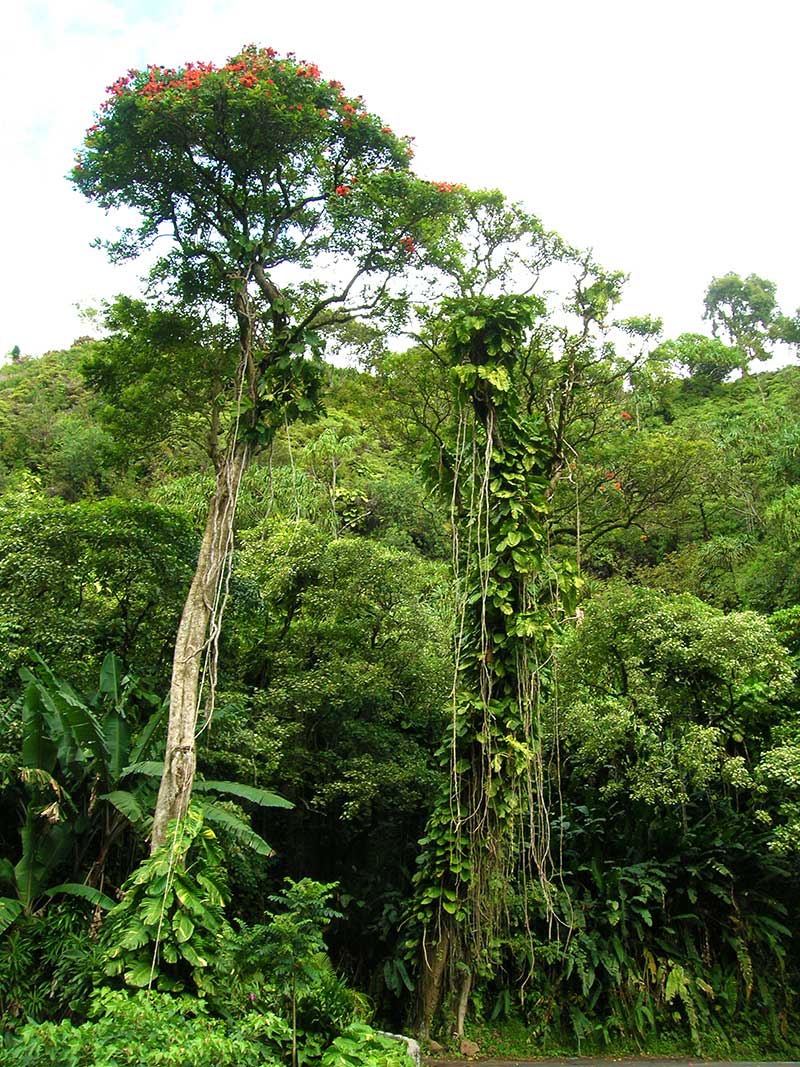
(489, 830)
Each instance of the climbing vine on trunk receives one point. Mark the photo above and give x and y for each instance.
(489, 830)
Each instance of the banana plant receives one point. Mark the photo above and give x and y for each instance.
(88, 774)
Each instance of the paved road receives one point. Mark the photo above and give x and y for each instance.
(585, 1062)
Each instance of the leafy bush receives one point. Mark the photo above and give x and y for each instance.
(149, 1029)
(282, 966)
(361, 1046)
(166, 929)
(48, 963)
(142, 1030)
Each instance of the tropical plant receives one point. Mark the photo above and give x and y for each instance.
(746, 309)
(512, 594)
(166, 930)
(283, 965)
(49, 963)
(79, 579)
(74, 751)
(146, 1028)
(87, 775)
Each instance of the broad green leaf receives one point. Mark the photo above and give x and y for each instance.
(38, 750)
(246, 792)
(84, 727)
(126, 804)
(69, 714)
(85, 892)
(192, 956)
(117, 738)
(238, 829)
(134, 936)
(7, 872)
(149, 768)
(29, 870)
(145, 738)
(153, 909)
(140, 974)
(111, 676)
(186, 894)
(182, 925)
(10, 911)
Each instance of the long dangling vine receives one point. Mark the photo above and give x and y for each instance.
(489, 829)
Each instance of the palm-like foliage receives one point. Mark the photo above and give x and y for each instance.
(87, 776)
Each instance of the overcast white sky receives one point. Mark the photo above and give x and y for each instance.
(661, 134)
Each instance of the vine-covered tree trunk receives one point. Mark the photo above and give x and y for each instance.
(488, 823)
(191, 643)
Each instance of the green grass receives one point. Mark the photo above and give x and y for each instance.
(514, 1039)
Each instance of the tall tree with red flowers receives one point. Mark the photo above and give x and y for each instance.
(287, 209)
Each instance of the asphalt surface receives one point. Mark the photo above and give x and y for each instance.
(585, 1062)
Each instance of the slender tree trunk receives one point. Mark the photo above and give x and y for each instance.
(464, 989)
(432, 982)
(190, 644)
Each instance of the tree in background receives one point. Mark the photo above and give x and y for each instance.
(707, 360)
(746, 310)
(676, 734)
(79, 579)
(49, 426)
(290, 209)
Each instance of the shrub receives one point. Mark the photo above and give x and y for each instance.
(145, 1029)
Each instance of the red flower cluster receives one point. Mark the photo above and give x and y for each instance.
(309, 70)
(254, 62)
(120, 84)
(625, 415)
(153, 86)
(445, 187)
(342, 190)
(408, 245)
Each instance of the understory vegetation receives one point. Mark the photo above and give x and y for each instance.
(499, 733)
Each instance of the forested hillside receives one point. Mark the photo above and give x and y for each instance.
(495, 714)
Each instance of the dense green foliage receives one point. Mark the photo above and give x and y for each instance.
(675, 717)
(507, 678)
